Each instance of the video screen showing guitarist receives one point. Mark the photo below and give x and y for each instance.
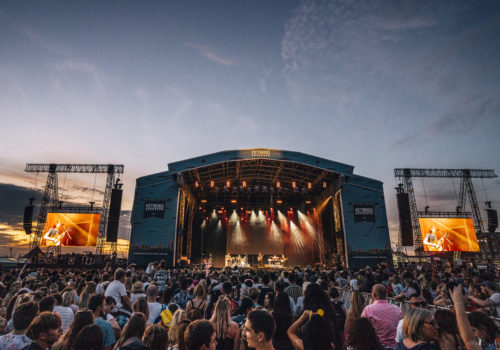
(435, 241)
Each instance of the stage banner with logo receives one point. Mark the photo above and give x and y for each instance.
(364, 212)
(154, 208)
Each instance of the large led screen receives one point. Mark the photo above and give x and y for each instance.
(448, 235)
(71, 230)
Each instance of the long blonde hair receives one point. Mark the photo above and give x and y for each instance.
(357, 304)
(173, 332)
(221, 317)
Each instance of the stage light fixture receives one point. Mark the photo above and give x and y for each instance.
(196, 184)
(234, 201)
(278, 184)
(244, 183)
(228, 183)
(203, 200)
(212, 183)
(309, 185)
(324, 184)
(294, 184)
(308, 202)
(279, 201)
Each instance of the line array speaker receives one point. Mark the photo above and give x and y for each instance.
(28, 219)
(405, 226)
(492, 220)
(114, 215)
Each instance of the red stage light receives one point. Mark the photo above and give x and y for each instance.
(234, 201)
(308, 202)
(279, 201)
(203, 200)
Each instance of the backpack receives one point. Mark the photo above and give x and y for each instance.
(158, 319)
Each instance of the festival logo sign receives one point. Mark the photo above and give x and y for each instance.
(154, 208)
(364, 212)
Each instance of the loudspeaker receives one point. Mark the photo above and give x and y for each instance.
(405, 227)
(114, 215)
(492, 220)
(28, 219)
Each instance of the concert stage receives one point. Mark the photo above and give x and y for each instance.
(259, 201)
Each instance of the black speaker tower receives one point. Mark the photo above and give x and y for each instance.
(114, 213)
(405, 226)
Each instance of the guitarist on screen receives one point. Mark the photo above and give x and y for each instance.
(52, 234)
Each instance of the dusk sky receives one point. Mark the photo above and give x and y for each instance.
(375, 84)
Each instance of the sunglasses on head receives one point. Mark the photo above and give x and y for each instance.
(419, 303)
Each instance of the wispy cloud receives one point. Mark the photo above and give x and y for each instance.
(210, 53)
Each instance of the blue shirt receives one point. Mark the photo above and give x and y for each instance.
(108, 336)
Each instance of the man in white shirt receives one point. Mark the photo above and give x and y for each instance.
(154, 306)
(117, 290)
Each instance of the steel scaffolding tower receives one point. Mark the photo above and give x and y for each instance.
(405, 175)
(51, 195)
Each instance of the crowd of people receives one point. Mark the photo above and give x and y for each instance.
(160, 308)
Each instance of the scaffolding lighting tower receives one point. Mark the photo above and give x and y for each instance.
(51, 196)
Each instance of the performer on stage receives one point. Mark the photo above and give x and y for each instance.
(431, 240)
(52, 234)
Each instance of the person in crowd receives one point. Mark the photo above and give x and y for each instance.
(65, 312)
(227, 331)
(253, 294)
(293, 290)
(161, 275)
(489, 289)
(154, 306)
(82, 318)
(109, 304)
(155, 337)
(88, 291)
(448, 334)
(264, 289)
(183, 296)
(485, 330)
(420, 329)
(443, 297)
(384, 316)
(362, 336)
(200, 335)
(183, 325)
(259, 330)
(415, 301)
(357, 303)
(117, 290)
(316, 332)
(269, 301)
(97, 306)
(178, 316)
(137, 292)
(283, 318)
(200, 300)
(246, 305)
(338, 309)
(46, 304)
(134, 328)
(44, 330)
(141, 305)
(17, 339)
(89, 338)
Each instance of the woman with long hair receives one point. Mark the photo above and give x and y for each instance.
(87, 292)
(82, 318)
(269, 300)
(134, 328)
(141, 305)
(173, 332)
(362, 336)
(227, 332)
(316, 299)
(357, 306)
(200, 300)
(155, 337)
(446, 324)
(317, 334)
(283, 317)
